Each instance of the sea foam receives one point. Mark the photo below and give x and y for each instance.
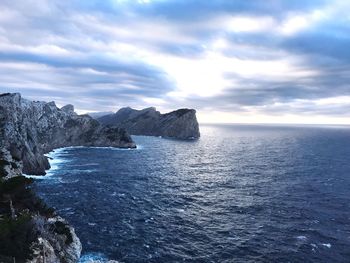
(94, 258)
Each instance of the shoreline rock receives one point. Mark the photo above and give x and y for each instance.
(28, 228)
(30, 231)
(61, 245)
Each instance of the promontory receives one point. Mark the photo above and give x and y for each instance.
(179, 124)
(29, 129)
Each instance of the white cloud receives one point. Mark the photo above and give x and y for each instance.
(195, 55)
(299, 22)
(294, 24)
(250, 24)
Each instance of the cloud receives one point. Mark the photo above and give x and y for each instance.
(271, 57)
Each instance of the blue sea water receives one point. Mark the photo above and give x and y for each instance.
(241, 193)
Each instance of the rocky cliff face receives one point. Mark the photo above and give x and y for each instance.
(29, 129)
(29, 230)
(180, 124)
(57, 241)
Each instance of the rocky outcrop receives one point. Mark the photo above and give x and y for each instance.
(9, 167)
(179, 124)
(30, 231)
(29, 129)
(56, 242)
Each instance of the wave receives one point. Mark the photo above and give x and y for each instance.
(75, 171)
(41, 177)
(139, 147)
(93, 257)
(55, 161)
(98, 147)
(83, 165)
(58, 156)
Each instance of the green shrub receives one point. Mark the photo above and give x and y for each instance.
(62, 229)
(18, 190)
(14, 185)
(3, 172)
(14, 165)
(15, 158)
(16, 236)
(4, 162)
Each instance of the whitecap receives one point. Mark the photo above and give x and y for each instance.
(301, 237)
(327, 245)
(66, 209)
(58, 156)
(93, 258)
(139, 147)
(54, 162)
(41, 177)
(83, 171)
(98, 147)
(82, 165)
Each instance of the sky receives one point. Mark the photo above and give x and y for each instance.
(256, 61)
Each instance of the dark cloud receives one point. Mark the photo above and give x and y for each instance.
(96, 62)
(253, 92)
(324, 43)
(189, 10)
(90, 77)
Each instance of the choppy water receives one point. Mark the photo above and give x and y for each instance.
(239, 194)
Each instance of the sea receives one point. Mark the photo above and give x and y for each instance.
(241, 193)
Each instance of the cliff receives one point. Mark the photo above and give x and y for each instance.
(30, 231)
(29, 129)
(179, 124)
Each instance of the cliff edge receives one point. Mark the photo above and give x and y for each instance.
(29, 129)
(30, 231)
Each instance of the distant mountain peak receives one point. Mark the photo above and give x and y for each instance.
(180, 124)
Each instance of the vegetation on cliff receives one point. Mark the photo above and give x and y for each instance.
(18, 204)
(24, 218)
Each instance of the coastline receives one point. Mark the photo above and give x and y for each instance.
(52, 158)
(30, 230)
(55, 162)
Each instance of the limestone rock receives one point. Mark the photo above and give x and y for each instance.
(69, 108)
(179, 124)
(9, 167)
(29, 129)
(57, 242)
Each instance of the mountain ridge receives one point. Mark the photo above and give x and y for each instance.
(29, 129)
(179, 124)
